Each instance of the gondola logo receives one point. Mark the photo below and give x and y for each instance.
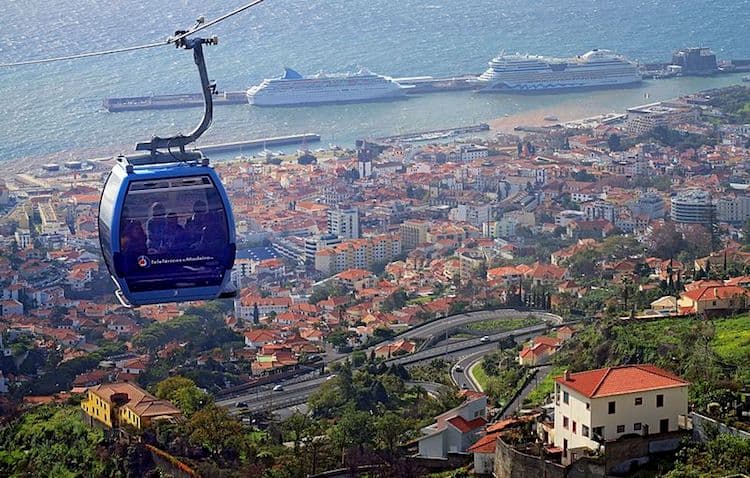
(144, 262)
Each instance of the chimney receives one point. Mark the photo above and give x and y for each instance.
(567, 375)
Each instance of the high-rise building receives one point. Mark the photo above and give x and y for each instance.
(413, 233)
(693, 206)
(344, 223)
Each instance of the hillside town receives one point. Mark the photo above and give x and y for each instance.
(628, 225)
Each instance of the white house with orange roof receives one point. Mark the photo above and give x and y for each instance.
(538, 350)
(600, 406)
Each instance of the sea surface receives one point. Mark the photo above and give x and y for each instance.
(55, 109)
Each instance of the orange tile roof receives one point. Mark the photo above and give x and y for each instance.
(486, 444)
(466, 426)
(621, 380)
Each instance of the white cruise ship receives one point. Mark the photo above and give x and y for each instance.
(295, 89)
(527, 73)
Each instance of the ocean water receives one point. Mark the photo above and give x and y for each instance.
(55, 109)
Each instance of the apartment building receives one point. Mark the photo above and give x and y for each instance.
(357, 254)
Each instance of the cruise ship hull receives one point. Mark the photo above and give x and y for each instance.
(257, 100)
(553, 88)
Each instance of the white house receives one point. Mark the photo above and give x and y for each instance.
(455, 430)
(599, 406)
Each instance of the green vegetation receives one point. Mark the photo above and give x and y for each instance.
(438, 370)
(53, 441)
(479, 375)
(734, 101)
(677, 139)
(504, 375)
(202, 326)
(732, 339)
(544, 388)
(371, 410)
(714, 355)
(724, 455)
(184, 394)
(504, 325)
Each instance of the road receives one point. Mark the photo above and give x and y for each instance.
(460, 372)
(468, 344)
(263, 398)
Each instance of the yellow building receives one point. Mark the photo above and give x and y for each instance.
(118, 404)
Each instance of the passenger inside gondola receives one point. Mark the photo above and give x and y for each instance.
(157, 228)
(174, 233)
(195, 227)
(133, 236)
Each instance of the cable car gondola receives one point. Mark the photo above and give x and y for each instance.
(166, 228)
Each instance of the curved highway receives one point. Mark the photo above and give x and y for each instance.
(460, 371)
(265, 399)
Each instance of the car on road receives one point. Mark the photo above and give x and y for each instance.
(278, 388)
(241, 405)
(485, 339)
(458, 368)
(330, 377)
(464, 386)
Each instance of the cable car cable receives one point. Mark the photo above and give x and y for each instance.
(173, 39)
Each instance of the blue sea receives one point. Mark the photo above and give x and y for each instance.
(55, 109)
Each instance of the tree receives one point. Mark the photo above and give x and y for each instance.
(52, 440)
(338, 337)
(183, 393)
(584, 263)
(215, 430)
(390, 427)
(620, 247)
(358, 358)
(297, 426)
(666, 241)
(698, 240)
(395, 301)
(354, 429)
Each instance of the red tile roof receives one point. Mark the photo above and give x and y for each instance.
(466, 426)
(486, 444)
(621, 380)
